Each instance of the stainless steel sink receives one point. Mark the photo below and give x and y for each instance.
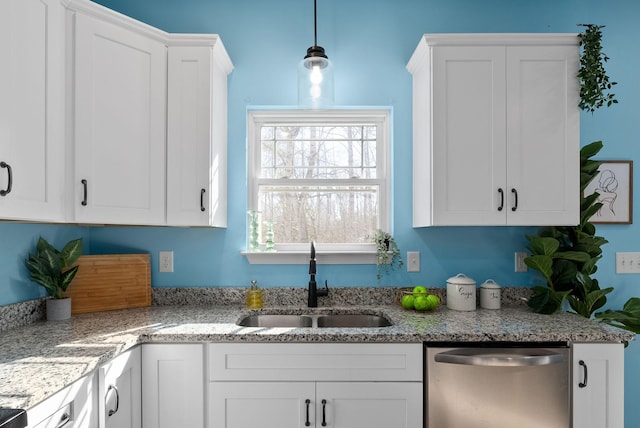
(276, 321)
(320, 321)
(353, 321)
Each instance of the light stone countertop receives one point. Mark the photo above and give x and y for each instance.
(39, 359)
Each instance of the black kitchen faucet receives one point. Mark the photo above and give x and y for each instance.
(313, 288)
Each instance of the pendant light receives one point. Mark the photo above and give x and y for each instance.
(315, 74)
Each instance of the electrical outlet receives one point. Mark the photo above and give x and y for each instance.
(413, 261)
(520, 266)
(627, 262)
(166, 261)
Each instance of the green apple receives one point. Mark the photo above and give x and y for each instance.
(419, 290)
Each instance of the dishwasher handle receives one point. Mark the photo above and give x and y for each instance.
(499, 357)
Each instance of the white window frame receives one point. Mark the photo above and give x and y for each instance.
(325, 253)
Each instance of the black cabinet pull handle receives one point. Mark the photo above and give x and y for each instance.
(307, 402)
(515, 205)
(501, 199)
(84, 187)
(583, 384)
(202, 191)
(113, 411)
(6, 191)
(324, 414)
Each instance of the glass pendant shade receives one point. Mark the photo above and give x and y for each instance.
(315, 80)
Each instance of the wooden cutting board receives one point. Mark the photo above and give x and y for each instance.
(108, 282)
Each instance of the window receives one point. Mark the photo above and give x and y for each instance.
(321, 176)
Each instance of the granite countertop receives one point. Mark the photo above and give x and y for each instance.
(39, 359)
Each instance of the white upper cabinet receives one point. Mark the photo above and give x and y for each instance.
(149, 122)
(198, 66)
(119, 120)
(495, 130)
(32, 146)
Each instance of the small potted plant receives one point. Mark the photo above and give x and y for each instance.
(53, 270)
(388, 253)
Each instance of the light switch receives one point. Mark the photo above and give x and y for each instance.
(413, 261)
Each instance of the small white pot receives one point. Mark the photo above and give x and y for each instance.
(490, 295)
(58, 309)
(461, 293)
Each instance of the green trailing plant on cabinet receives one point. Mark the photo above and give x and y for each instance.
(595, 85)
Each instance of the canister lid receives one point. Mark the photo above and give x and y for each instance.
(489, 283)
(461, 279)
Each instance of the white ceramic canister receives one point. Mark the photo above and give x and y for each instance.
(490, 295)
(461, 293)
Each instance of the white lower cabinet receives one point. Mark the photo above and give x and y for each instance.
(334, 404)
(598, 385)
(335, 385)
(173, 385)
(72, 407)
(120, 392)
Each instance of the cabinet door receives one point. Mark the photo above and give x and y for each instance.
(120, 392)
(598, 385)
(73, 407)
(32, 150)
(468, 147)
(369, 404)
(196, 138)
(543, 119)
(262, 404)
(120, 111)
(173, 385)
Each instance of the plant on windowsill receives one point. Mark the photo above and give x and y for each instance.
(387, 252)
(53, 270)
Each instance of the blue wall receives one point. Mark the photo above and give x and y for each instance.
(370, 43)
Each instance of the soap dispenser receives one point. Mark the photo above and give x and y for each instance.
(254, 296)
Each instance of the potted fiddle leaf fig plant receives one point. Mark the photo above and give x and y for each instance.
(53, 269)
(387, 251)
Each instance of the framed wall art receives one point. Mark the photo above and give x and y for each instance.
(614, 183)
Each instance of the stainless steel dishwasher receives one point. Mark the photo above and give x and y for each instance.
(497, 386)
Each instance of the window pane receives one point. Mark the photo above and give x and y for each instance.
(319, 152)
(326, 214)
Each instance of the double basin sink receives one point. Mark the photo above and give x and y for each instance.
(315, 321)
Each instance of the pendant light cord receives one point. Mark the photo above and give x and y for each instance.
(315, 23)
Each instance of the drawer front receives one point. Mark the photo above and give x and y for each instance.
(322, 362)
(72, 407)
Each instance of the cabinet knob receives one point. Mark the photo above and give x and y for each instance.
(6, 191)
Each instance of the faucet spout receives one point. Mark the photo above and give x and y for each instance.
(313, 294)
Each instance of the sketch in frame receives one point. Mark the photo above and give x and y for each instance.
(614, 183)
